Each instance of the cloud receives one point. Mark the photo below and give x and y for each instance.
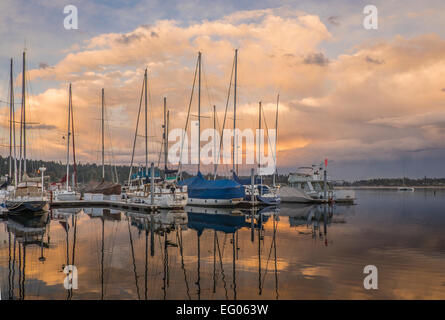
(43, 65)
(374, 61)
(316, 58)
(341, 107)
(40, 127)
(414, 120)
(334, 20)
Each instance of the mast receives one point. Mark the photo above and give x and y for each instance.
(11, 112)
(24, 112)
(276, 139)
(74, 146)
(68, 142)
(234, 116)
(13, 127)
(165, 137)
(167, 131)
(214, 139)
(146, 123)
(259, 144)
(103, 137)
(199, 111)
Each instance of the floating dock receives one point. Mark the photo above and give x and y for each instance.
(119, 205)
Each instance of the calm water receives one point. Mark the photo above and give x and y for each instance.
(296, 252)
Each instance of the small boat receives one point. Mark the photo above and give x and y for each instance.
(224, 192)
(167, 194)
(28, 197)
(263, 194)
(66, 195)
(409, 189)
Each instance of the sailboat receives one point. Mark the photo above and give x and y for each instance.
(166, 193)
(68, 194)
(29, 194)
(224, 192)
(5, 187)
(262, 193)
(103, 190)
(404, 187)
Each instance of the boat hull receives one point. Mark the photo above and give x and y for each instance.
(164, 201)
(264, 200)
(214, 202)
(294, 195)
(68, 196)
(25, 206)
(344, 196)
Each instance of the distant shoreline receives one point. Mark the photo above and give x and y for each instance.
(387, 187)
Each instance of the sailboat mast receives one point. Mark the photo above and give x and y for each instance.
(11, 111)
(74, 145)
(259, 144)
(103, 136)
(165, 136)
(234, 116)
(199, 111)
(146, 123)
(166, 132)
(12, 107)
(214, 139)
(24, 112)
(68, 142)
(276, 140)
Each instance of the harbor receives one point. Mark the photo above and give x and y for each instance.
(225, 155)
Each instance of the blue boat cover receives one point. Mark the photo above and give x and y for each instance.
(200, 188)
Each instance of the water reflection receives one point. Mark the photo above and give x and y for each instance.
(23, 231)
(286, 252)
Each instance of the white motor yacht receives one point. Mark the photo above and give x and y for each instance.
(307, 185)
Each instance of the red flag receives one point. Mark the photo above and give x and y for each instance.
(326, 162)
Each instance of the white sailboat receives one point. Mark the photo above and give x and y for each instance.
(68, 194)
(29, 194)
(12, 176)
(139, 189)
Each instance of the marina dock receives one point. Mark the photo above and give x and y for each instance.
(119, 205)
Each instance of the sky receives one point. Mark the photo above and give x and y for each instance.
(371, 101)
